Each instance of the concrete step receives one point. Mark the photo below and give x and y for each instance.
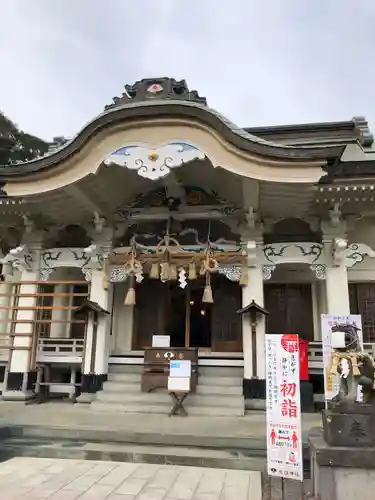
(219, 389)
(164, 397)
(255, 446)
(125, 368)
(130, 378)
(119, 386)
(220, 381)
(125, 452)
(221, 371)
(164, 408)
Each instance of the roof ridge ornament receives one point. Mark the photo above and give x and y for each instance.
(157, 88)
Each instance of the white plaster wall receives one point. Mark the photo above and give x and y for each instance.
(122, 324)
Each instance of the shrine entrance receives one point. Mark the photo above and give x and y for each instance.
(165, 308)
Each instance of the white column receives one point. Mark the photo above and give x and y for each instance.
(253, 291)
(337, 290)
(101, 296)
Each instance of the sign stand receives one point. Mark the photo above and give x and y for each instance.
(179, 385)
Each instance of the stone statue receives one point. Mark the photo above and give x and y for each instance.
(355, 367)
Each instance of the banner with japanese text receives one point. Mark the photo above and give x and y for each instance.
(349, 326)
(284, 432)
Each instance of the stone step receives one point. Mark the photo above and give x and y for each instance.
(164, 397)
(253, 446)
(221, 371)
(219, 389)
(165, 408)
(124, 452)
(119, 386)
(220, 381)
(130, 378)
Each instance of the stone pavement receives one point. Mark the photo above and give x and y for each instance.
(52, 479)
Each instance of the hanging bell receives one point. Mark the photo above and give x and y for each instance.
(130, 294)
(154, 271)
(192, 275)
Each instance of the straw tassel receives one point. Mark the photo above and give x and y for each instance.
(355, 367)
(154, 271)
(192, 271)
(105, 282)
(244, 276)
(173, 272)
(130, 295)
(207, 294)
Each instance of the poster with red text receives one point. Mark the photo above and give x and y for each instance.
(284, 430)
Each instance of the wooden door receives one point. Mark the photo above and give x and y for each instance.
(226, 329)
(149, 312)
(290, 309)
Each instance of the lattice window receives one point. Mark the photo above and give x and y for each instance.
(79, 294)
(362, 301)
(44, 329)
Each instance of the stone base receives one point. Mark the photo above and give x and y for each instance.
(86, 398)
(307, 397)
(92, 382)
(254, 388)
(341, 473)
(17, 395)
(350, 429)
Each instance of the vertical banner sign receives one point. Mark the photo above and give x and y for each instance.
(334, 329)
(284, 433)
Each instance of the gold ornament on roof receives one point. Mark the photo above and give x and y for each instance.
(153, 156)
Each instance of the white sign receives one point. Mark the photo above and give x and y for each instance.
(284, 432)
(180, 368)
(334, 330)
(179, 384)
(161, 341)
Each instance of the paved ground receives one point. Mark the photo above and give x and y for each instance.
(82, 417)
(38, 478)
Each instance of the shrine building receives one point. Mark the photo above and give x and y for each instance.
(161, 217)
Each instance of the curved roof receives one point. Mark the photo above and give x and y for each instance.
(166, 98)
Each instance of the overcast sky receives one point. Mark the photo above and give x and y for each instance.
(259, 62)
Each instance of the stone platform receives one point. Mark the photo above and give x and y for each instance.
(62, 430)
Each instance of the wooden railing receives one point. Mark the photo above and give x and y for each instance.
(46, 309)
(61, 347)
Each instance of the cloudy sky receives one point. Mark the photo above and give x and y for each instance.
(259, 62)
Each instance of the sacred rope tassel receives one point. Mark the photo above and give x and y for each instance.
(334, 364)
(173, 272)
(355, 368)
(105, 275)
(192, 271)
(244, 275)
(130, 296)
(154, 271)
(165, 271)
(207, 294)
(105, 282)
